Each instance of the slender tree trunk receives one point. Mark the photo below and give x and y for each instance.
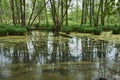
(32, 12)
(46, 13)
(39, 16)
(24, 12)
(83, 9)
(0, 11)
(93, 11)
(102, 12)
(97, 17)
(55, 17)
(90, 14)
(66, 13)
(62, 11)
(17, 12)
(21, 11)
(77, 10)
(39, 13)
(13, 11)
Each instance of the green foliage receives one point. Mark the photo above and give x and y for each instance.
(3, 32)
(20, 31)
(97, 31)
(49, 26)
(67, 29)
(44, 26)
(107, 27)
(12, 30)
(86, 29)
(82, 29)
(116, 30)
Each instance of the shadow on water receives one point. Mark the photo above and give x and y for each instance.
(45, 57)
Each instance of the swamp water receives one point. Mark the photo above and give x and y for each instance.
(44, 57)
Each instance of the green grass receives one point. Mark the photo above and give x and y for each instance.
(12, 30)
(95, 30)
(43, 25)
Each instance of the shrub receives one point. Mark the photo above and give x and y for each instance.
(116, 30)
(107, 27)
(3, 32)
(67, 29)
(97, 31)
(86, 29)
(15, 30)
(45, 26)
(20, 31)
(10, 30)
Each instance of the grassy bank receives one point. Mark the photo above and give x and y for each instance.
(12, 30)
(95, 30)
(74, 27)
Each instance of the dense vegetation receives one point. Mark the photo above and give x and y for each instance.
(87, 16)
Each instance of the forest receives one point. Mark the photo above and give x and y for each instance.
(91, 16)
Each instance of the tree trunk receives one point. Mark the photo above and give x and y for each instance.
(13, 11)
(62, 11)
(77, 7)
(102, 12)
(23, 12)
(0, 11)
(46, 13)
(83, 9)
(90, 14)
(93, 20)
(32, 12)
(17, 12)
(97, 17)
(66, 13)
(38, 13)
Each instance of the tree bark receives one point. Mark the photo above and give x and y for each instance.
(83, 11)
(77, 10)
(93, 20)
(13, 11)
(66, 13)
(24, 13)
(97, 16)
(102, 12)
(17, 12)
(39, 13)
(0, 11)
(46, 13)
(62, 11)
(90, 14)
(32, 12)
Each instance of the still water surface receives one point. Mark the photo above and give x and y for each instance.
(45, 57)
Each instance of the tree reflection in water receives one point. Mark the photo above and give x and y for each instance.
(47, 57)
